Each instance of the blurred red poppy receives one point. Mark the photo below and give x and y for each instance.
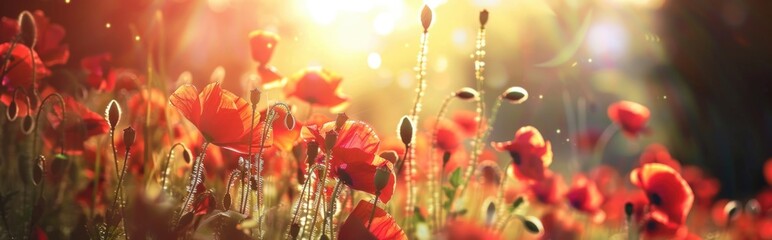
(317, 87)
(558, 225)
(531, 155)
(584, 194)
(215, 106)
(607, 179)
(670, 197)
(263, 45)
(80, 124)
(157, 99)
(467, 121)
(49, 38)
(656, 153)
(586, 140)
(283, 137)
(705, 187)
(448, 135)
(102, 76)
(383, 226)
(630, 116)
(551, 189)
(20, 66)
(461, 229)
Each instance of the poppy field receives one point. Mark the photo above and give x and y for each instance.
(336, 119)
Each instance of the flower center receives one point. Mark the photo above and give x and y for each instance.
(655, 199)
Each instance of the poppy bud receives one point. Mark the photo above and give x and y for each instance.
(27, 29)
(38, 171)
(128, 137)
(426, 17)
(406, 130)
(13, 111)
(186, 155)
(226, 201)
(289, 121)
(490, 212)
(466, 93)
(515, 95)
(254, 96)
(324, 237)
(483, 17)
(445, 158)
(730, 210)
(519, 201)
(330, 139)
(311, 152)
(253, 183)
(340, 121)
(294, 230)
(113, 114)
(262, 45)
(27, 124)
(391, 156)
(753, 207)
(628, 209)
(381, 178)
(533, 225)
(185, 220)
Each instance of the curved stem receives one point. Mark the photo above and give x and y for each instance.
(118, 196)
(375, 206)
(37, 119)
(479, 146)
(331, 209)
(421, 68)
(311, 171)
(165, 168)
(195, 177)
(433, 185)
(320, 191)
(603, 140)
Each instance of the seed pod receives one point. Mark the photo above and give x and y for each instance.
(226, 201)
(426, 17)
(467, 93)
(27, 29)
(13, 111)
(483, 17)
(628, 209)
(27, 124)
(311, 152)
(128, 137)
(340, 121)
(533, 225)
(324, 237)
(289, 121)
(254, 96)
(186, 155)
(330, 139)
(391, 156)
(515, 95)
(113, 114)
(406, 130)
(294, 230)
(382, 175)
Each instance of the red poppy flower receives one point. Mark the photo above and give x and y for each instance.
(49, 37)
(461, 229)
(656, 153)
(705, 188)
(653, 228)
(317, 87)
(584, 195)
(283, 137)
(630, 116)
(551, 189)
(531, 155)
(668, 193)
(467, 121)
(223, 118)
(263, 45)
(586, 140)
(80, 124)
(20, 66)
(607, 179)
(157, 100)
(558, 225)
(269, 77)
(448, 135)
(383, 226)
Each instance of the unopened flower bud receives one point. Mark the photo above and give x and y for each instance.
(27, 29)
(128, 137)
(406, 130)
(13, 110)
(330, 139)
(113, 114)
(294, 230)
(340, 121)
(483, 17)
(515, 95)
(226, 201)
(186, 155)
(27, 124)
(445, 158)
(731, 210)
(628, 209)
(289, 121)
(254, 96)
(382, 175)
(38, 171)
(311, 152)
(426, 17)
(533, 225)
(467, 93)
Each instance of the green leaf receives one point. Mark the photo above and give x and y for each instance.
(455, 178)
(417, 213)
(449, 192)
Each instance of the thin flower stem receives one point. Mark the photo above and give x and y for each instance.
(433, 185)
(421, 68)
(118, 199)
(375, 206)
(331, 209)
(319, 190)
(500, 195)
(603, 140)
(169, 158)
(195, 177)
(479, 146)
(37, 118)
(248, 174)
(311, 171)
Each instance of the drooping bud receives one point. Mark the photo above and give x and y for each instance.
(186, 155)
(254, 96)
(426, 17)
(483, 17)
(445, 158)
(519, 201)
(27, 124)
(128, 137)
(38, 171)
(390, 155)
(289, 121)
(226, 201)
(27, 29)
(533, 225)
(340, 121)
(294, 230)
(406, 130)
(490, 212)
(382, 175)
(628, 209)
(515, 95)
(13, 110)
(731, 210)
(467, 93)
(330, 138)
(753, 207)
(113, 114)
(311, 152)
(324, 237)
